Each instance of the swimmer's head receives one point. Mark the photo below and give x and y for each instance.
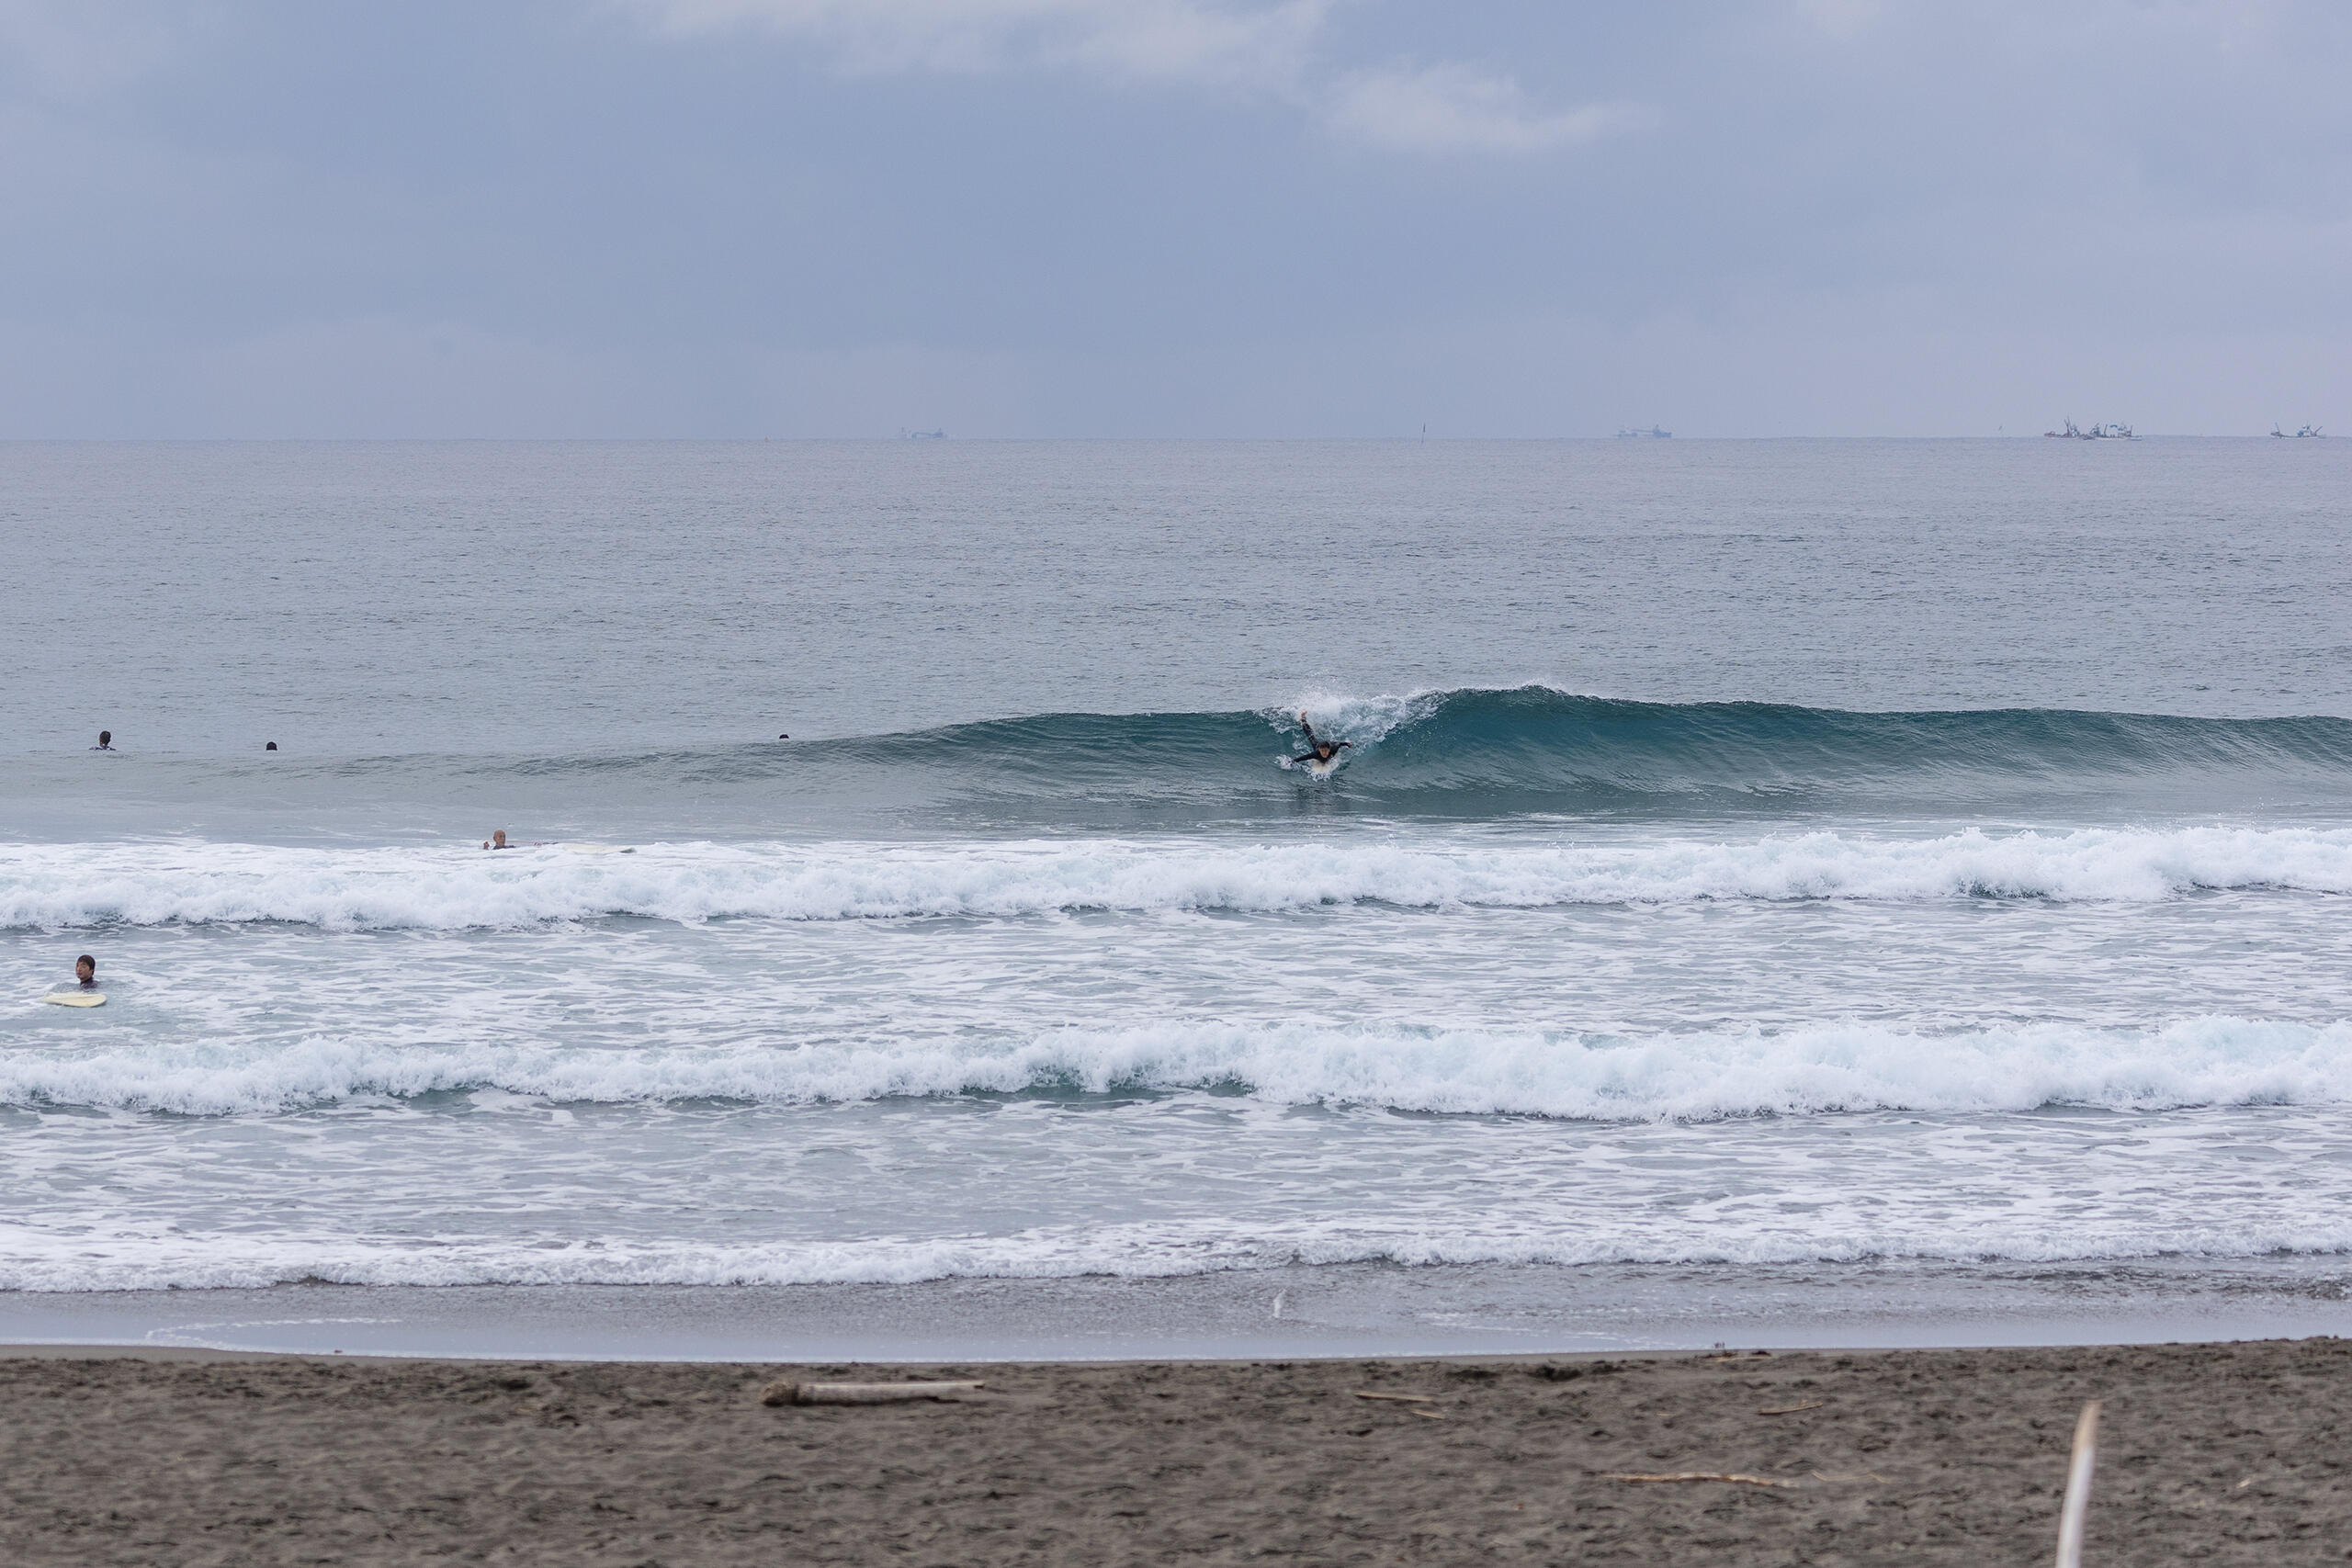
(106, 737)
(271, 747)
(498, 839)
(85, 969)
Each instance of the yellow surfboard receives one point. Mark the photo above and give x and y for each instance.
(77, 998)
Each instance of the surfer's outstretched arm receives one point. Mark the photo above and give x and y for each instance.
(1308, 727)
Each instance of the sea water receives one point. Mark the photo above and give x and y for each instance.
(1758, 870)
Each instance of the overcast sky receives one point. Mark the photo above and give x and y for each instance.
(742, 218)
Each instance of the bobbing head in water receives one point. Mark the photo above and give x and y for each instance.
(85, 969)
(497, 840)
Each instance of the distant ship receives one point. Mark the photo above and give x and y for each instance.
(2095, 432)
(924, 434)
(1652, 434)
(2309, 430)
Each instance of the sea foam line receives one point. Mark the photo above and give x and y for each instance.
(56, 887)
(1813, 1071)
(118, 1256)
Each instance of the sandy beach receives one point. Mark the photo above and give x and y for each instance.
(2211, 1453)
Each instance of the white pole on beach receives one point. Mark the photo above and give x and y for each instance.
(2078, 1488)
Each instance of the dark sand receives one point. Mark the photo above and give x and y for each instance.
(2211, 1453)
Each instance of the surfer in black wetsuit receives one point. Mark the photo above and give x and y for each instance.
(1321, 751)
(85, 970)
(105, 741)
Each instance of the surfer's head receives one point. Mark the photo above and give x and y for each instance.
(106, 737)
(498, 839)
(85, 969)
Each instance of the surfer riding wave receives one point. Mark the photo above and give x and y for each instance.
(1318, 750)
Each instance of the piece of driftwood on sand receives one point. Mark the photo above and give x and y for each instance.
(788, 1393)
(1731, 1475)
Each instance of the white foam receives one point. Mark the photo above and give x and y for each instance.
(1363, 721)
(1695, 1075)
(58, 886)
(130, 1257)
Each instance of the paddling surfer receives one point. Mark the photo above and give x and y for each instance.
(1319, 751)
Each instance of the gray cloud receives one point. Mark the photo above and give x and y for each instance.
(1276, 48)
(1171, 40)
(1065, 217)
(1456, 109)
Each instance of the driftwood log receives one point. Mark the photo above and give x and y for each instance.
(1731, 1475)
(788, 1393)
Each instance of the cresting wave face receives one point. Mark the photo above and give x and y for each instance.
(1534, 743)
(63, 887)
(1484, 754)
(1510, 750)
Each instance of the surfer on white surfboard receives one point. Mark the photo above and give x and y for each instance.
(85, 994)
(1318, 750)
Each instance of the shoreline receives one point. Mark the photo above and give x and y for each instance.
(1296, 1311)
(2228, 1453)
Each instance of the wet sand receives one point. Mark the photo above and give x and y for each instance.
(2232, 1453)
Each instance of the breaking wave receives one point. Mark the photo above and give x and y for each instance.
(1465, 755)
(44, 886)
(1818, 1070)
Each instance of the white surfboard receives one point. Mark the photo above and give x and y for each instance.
(77, 998)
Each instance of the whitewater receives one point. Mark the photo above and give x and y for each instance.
(1756, 868)
(62, 888)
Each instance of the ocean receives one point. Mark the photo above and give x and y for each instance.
(1776, 891)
